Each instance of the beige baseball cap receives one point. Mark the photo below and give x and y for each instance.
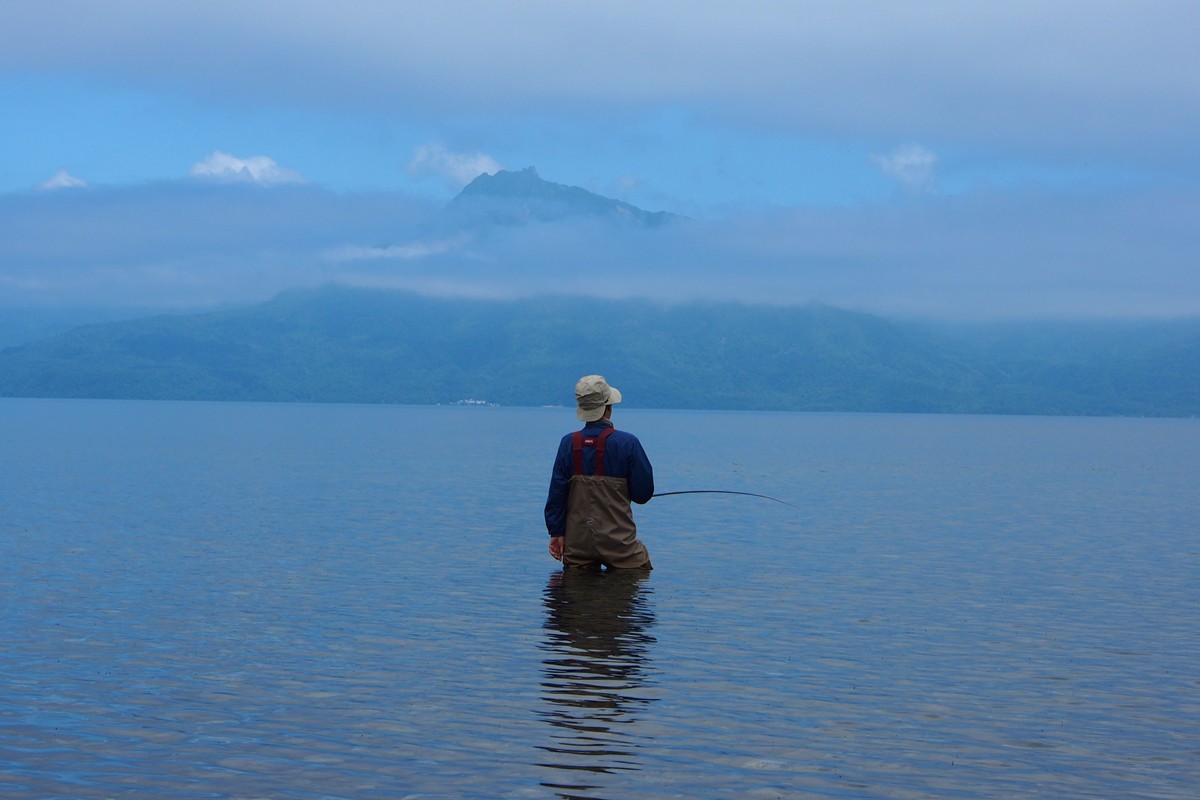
(592, 394)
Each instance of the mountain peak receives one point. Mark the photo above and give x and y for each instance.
(513, 197)
(505, 182)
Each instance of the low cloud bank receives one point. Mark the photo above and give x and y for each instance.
(1124, 253)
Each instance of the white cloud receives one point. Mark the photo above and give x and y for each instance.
(62, 180)
(911, 165)
(409, 251)
(456, 169)
(224, 168)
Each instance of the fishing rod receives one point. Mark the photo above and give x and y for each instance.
(723, 491)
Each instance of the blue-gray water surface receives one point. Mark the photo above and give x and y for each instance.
(220, 600)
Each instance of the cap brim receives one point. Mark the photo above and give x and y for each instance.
(589, 414)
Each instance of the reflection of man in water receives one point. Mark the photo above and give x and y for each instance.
(597, 472)
(595, 672)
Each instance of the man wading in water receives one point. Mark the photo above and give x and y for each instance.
(597, 472)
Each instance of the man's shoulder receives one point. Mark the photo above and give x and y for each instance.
(624, 438)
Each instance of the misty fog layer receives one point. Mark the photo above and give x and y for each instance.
(985, 256)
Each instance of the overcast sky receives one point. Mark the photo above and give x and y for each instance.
(952, 159)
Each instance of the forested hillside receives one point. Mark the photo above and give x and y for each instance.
(344, 345)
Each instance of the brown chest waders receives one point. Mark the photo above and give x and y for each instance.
(600, 527)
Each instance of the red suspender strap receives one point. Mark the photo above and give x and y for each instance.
(600, 450)
(578, 442)
(577, 450)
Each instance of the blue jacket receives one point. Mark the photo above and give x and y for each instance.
(623, 458)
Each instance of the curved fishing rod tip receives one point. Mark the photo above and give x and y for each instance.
(723, 491)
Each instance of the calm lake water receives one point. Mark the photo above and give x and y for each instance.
(301, 601)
